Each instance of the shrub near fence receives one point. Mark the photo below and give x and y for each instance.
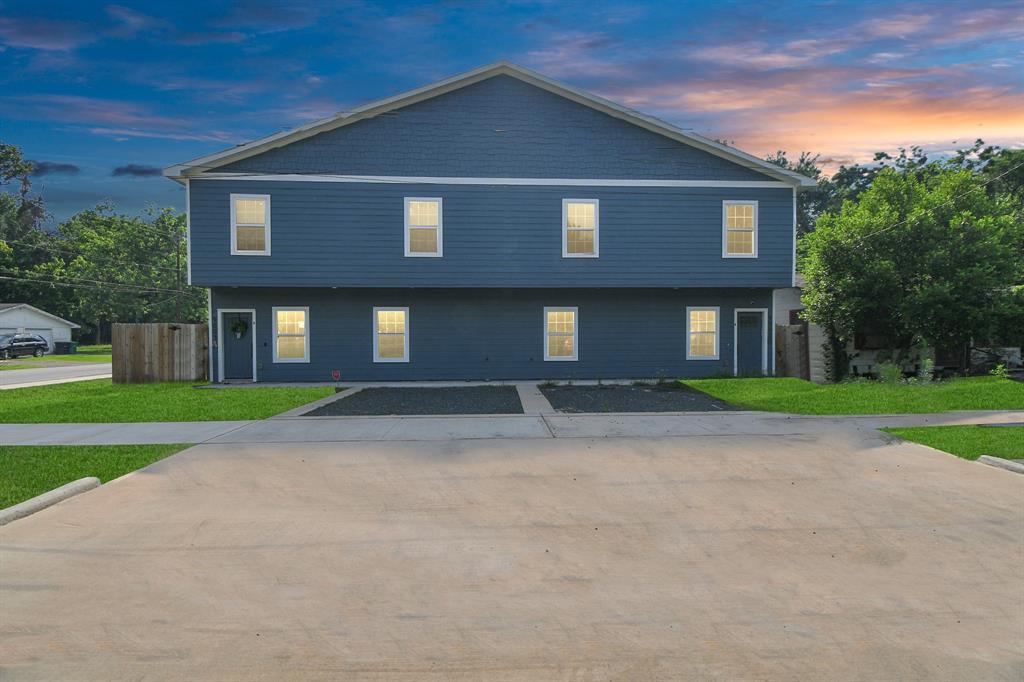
(156, 352)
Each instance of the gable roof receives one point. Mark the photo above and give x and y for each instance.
(210, 162)
(7, 307)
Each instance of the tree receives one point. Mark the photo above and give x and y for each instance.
(141, 260)
(923, 255)
(810, 202)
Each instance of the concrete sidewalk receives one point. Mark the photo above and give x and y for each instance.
(470, 427)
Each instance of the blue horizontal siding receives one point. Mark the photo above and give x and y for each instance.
(352, 235)
(493, 333)
(500, 127)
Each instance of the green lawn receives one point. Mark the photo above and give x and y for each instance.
(969, 442)
(29, 470)
(85, 354)
(102, 401)
(865, 397)
(4, 366)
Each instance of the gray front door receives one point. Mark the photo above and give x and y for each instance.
(749, 343)
(236, 345)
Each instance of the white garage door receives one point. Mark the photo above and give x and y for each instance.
(45, 333)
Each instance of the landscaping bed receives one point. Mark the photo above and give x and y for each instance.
(865, 397)
(968, 441)
(30, 470)
(101, 401)
(406, 401)
(673, 397)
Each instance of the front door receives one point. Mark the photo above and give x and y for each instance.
(750, 343)
(236, 346)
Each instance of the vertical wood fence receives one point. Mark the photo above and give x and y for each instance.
(791, 352)
(154, 352)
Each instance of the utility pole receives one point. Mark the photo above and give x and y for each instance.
(177, 277)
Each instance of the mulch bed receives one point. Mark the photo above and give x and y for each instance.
(447, 400)
(646, 398)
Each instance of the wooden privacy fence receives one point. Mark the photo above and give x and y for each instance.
(154, 352)
(791, 351)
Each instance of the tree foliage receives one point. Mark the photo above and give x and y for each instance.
(925, 254)
(98, 266)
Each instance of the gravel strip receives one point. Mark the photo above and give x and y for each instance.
(446, 400)
(672, 398)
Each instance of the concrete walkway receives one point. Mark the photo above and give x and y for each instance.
(60, 374)
(469, 427)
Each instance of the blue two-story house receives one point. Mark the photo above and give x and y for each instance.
(494, 225)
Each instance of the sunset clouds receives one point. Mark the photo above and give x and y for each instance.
(110, 85)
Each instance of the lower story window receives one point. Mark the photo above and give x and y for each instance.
(291, 335)
(391, 335)
(560, 334)
(702, 333)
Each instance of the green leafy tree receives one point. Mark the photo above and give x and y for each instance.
(924, 255)
(810, 203)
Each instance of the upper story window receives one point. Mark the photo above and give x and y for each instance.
(580, 220)
(739, 229)
(560, 334)
(702, 333)
(250, 224)
(391, 335)
(291, 334)
(423, 218)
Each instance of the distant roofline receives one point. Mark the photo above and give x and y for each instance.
(196, 167)
(7, 307)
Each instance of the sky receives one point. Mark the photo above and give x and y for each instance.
(102, 96)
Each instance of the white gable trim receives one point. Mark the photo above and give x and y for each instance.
(212, 161)
(41, 312)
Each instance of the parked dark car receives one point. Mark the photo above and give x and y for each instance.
(13, 345)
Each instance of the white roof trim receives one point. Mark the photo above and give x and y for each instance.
(205, 163)
(459, 180)
(41, 312)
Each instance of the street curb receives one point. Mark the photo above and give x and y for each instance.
(1015, 467)
(40, 502)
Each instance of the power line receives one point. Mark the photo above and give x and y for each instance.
(945, 203)
(105, 283)
(70, 252)
(78, 286)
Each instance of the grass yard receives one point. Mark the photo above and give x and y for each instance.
(865, 397)
(99, 353)
(102, 401)
(5, 366)
(969, 442)
(30, 470)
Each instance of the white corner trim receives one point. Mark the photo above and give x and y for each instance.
(794, 236)
(440, 228)
(188, 232)
(376, 332)
(764, 338)
(274, 333)
(725, 231)
(718, 331)
(565, 228)
(575, 334)
(454, 180)
(220, 339)
(266, 226)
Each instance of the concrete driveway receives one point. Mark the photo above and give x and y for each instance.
(836, 556)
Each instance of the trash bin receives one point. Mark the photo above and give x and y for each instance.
(65, 347)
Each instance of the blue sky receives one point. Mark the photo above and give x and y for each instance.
(101, 95)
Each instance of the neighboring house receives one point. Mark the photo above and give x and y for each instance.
(21, 318)
(494, 225)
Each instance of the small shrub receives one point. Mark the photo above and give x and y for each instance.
(926, 373)
(999, 371)
(889, 373)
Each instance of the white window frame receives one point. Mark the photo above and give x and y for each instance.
(440, 228)
(725, 230)
(275, 334)
(565, 228)
(718, 332)
(266, 226)
(575, 334)
(376, 333)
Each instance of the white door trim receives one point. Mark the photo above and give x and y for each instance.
(736, 340)
(220, 340)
